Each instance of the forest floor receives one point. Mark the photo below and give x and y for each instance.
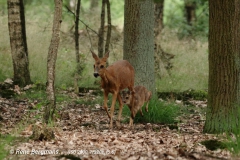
(81, 132)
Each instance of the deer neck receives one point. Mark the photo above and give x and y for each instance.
(106, 77)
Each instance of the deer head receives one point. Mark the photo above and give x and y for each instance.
(100, 64)
(126, 97)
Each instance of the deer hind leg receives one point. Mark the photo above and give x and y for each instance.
(105, 103)
(132, 118)
(141, 111)
(146, 108)
(149, 97)
(120, 109)
(114, 98)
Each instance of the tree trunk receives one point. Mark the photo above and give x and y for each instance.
(224, 66)
(94, 4)
(18, 41)
(190, 11)
(101, 31)
(51, 61)
(158, 9)
(161, 58)
(77, 48)
(109, 27)
(138, 45)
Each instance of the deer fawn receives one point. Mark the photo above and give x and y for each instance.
(135, 102)
(114, 78)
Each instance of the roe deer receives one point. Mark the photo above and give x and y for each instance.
(135, 102)
(114, 78)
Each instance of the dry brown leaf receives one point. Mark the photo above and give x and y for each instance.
(27, 131)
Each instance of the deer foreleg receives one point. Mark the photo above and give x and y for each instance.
(132, 118)
(114, 98)
(131, 122)
(105, 103)
(133, 96)
(120, 108)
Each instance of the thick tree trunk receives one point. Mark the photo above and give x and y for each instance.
(51, 61)
(101, 31)
(224, 66)
(18, 41)
(139, 40)
(77, 48)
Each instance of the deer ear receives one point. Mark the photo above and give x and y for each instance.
(94, 56)
(106, 56)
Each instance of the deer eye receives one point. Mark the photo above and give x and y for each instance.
(102, 66)
(126, 97)
(94, 66)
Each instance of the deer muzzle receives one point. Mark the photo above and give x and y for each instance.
(95, 75)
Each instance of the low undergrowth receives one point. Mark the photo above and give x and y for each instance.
(5, 140)
(158, 112)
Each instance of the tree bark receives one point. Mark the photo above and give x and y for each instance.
(77, 47)
(224, 66)
(51, 61)
(76, 31)
(18, 41)
(190, 11)
(109, 27)
(158, 11)
(161, 58)
(138, 45)
(101, 31)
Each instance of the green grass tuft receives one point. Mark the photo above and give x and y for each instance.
(5, 140)
(158, 112)
(33, 94)
(233, 144)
